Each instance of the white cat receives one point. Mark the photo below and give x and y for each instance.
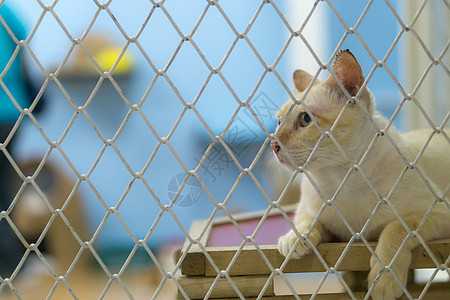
(360, 173)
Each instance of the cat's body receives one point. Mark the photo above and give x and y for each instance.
(382, 166)
(357, 174)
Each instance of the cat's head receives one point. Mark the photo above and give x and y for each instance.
(302, 124)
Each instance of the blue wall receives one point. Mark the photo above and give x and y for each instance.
(162, 107)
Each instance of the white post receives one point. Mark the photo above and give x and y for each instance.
(315, 33)
(432, 27)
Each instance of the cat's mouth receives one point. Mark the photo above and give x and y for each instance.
(279, 158)
(283, 157)
(278, 153)
(285, 161)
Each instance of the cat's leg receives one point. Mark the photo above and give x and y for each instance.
(302, 223)
(389, 242)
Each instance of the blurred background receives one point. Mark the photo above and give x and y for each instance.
(105, 131)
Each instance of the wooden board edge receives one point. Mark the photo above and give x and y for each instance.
(438, 291)
(431, 295)
(251, 263)
(196, 229)
(196, 287)
(194, 261)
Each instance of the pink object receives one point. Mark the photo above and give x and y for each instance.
(228, 235)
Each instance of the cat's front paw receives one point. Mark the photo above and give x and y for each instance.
(287, 242)
(387, 287)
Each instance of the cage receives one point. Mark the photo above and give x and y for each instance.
(136, 158)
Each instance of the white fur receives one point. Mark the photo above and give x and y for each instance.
(356, 200)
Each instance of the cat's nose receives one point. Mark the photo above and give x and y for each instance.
(274, 145)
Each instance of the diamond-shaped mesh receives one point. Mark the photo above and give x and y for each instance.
(210, 137)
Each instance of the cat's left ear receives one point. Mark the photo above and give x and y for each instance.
(301, 80)
(348, 71)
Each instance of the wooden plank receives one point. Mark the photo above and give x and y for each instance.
(431, 294)
(195, 231)
(250, 262)
(421, 259)
(196, 287)
(194, 262)
(357, 258)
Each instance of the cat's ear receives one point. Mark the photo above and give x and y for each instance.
(301, 80)
(348, 71)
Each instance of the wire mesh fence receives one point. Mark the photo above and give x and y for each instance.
(190, 137)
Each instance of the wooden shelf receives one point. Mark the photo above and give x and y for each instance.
(356, 259)
(250, 272)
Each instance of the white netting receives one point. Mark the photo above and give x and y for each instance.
(228, 131)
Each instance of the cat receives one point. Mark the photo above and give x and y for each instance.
(328, 143)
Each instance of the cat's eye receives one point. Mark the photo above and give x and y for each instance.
(303, 120)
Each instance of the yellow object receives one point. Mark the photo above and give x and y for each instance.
(107, 58)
